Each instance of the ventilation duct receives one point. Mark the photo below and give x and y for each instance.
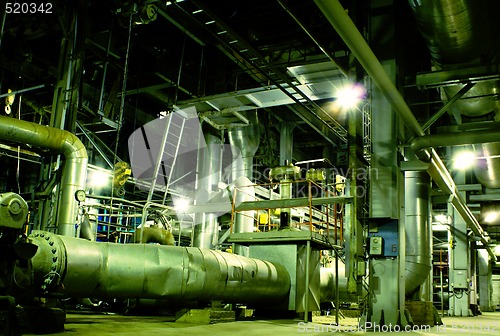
(417, 230)
(244, 144)
(459, 34)
(206, 229)
(75, 166)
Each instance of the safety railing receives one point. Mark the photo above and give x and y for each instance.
(314, 207)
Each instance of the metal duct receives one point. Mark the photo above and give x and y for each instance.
(86, 230)
(340, 20)
(417, 230)
(80, 268)
(243, 191)
(244, 143)
(487, 169)
(327, 286)
(75, 166)
(206, 229)
(456, 31)
(459, 34)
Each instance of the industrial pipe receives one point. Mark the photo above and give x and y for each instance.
(458, 34)
(454, 139)
(327, 286)
(206, 228)
(80, 268)
(244, 144)
(487, 171)
(74, 171)
(340, 20)
(243, 191)
(418, 230)
(153, 234)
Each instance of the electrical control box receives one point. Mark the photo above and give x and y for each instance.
(384, 237)
(376, 243)
(460, 279)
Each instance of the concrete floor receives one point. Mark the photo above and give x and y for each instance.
(113, 324)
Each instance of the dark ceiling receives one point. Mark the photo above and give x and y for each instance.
(178, 51)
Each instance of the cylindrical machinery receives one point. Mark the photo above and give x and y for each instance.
(285, 175)
(13, 211)
(80, 268)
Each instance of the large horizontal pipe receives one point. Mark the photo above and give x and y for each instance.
(454, 139)
(81, 268)
(340, 20)
(75, 168)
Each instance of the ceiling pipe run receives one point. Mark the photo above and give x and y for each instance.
(340, 20)
(75, 167)
(461, 34)
(425, 142)
(485, 146)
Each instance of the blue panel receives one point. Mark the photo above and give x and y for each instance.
(387, 228)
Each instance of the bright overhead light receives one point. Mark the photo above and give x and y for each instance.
(464, 160)
(181, 205)
(491, 217)
(98, 179)
(349, 96)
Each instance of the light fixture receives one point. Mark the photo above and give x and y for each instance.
(349, 96)
(98, 179)
(490, 217)
(464, 159)
(181, 205)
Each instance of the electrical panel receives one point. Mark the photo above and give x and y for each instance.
(376, 243)
(384, 237)
(460, 279)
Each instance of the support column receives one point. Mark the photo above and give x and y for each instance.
(386, 302)
(459, 261)
(485, 281)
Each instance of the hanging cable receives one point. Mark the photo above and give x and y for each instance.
(122, 107)
(18, 170)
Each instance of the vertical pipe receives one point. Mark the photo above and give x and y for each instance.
(244, 143)
(75, 166)
(417, 229)
(209, 175)
(243, 191)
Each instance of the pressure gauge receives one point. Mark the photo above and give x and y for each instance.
(80, 195)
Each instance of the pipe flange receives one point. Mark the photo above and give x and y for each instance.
(52, 243)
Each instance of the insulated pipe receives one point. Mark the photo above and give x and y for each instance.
(327, 285)
(454, 139)
(458, 34)
(417, 230)
(244, 144)
(80, 268)
(153, 234)
(206, 228)
(74, 171)
(340, 20)
(487, 172)
(243, 191)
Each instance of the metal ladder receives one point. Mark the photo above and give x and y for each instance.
(241, 52)
(167, 154)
